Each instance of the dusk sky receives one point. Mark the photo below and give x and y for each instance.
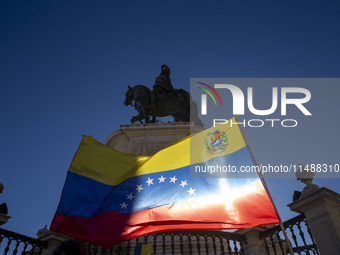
(66, 65)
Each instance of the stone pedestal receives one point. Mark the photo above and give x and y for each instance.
(254, 245)
(321, 209)
(147, 139)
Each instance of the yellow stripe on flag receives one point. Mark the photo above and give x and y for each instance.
(109, 166)
(104, 164)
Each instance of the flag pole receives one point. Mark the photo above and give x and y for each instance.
(267, 190)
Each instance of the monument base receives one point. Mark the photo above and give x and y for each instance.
(147, 139)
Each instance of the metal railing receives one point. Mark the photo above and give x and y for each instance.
(14, 243)
(180, 242)
(299, 235)
(184, 242)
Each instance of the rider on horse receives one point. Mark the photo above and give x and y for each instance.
(162, 85)
(162, 101)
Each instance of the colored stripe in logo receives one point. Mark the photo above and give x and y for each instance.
(213, 90)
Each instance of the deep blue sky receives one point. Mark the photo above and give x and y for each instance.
(65, 67)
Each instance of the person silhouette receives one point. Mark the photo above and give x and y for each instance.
(162, 85)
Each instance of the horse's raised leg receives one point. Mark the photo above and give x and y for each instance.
(139, 118)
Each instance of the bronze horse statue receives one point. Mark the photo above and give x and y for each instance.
(176, 104)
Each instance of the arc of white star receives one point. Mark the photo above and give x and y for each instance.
(173, 179)
(123, 205)
(183, 183)
(139, 187)
(161, 179)
(149, 181)
(130, 197)
(191, 191)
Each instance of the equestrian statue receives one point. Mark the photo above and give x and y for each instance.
(162, 101)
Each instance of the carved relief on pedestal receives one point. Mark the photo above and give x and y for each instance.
(147, 139)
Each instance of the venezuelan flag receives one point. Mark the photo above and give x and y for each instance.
(110, 197)
(142, 249)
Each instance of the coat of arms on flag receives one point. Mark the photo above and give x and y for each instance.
(215, 141)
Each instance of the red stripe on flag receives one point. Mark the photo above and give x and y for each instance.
(110, 228)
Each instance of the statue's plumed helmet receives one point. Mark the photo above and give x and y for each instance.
(166, 70)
